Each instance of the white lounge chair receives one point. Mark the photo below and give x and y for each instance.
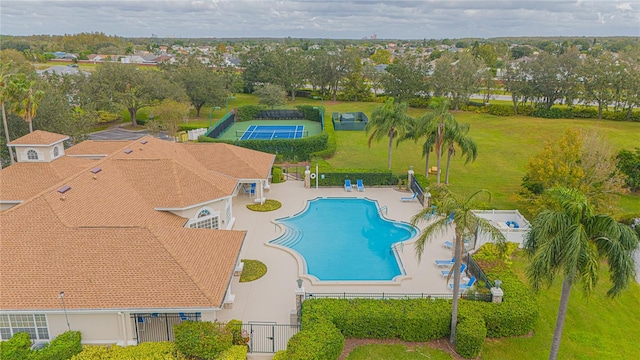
(407, 199)
(444, 263)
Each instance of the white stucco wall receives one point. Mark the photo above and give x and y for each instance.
(45, 152)
(215, 207)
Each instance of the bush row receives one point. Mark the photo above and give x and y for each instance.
(553, 113)
(369, 177)
(276, 175)
(63, 347)
(427, 319)
(149, 350)
(310, 113)
(248, 112)
(332, 142)
(289, 149)
(202, 339)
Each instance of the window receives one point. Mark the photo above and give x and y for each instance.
(32, 155)
(34, 324)
(204, 213)
(212, 222)
(56, 152)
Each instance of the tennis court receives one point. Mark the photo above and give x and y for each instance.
(264, 132)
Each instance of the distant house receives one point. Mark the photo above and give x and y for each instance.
(125, 231)
(62, 70)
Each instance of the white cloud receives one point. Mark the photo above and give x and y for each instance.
(321, 18)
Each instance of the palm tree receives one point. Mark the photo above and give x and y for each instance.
(416, 129)
(572, 239)
(388, 120)
(5, 71)
(436, 123)
(455, 213)
(457, 135)
(27, 98)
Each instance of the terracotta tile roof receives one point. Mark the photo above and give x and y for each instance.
(111, 268)
(97, 147)
(22, 181)
(235, 161)
(39, 137)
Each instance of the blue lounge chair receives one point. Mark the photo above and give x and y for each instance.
(467, 286)
(446, 273)
(431, 213)
(450, 218)
(449, 262)
(184, 317)
(252, 191)
(448, 244)
(347, 185)
(360, 185)
(407, 199)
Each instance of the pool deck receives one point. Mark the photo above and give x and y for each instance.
(272, 297)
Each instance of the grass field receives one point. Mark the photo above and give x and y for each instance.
(396, 351)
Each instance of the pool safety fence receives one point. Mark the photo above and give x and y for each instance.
(417, 189)
(474, 269)
(469, 295)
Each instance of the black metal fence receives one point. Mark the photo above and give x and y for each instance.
(388, 296)
(475, 270)
(416, 188)
(268, 337)
(279, 115)
(155, 327)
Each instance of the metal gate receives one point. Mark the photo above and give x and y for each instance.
(416, 188)
(266, 337)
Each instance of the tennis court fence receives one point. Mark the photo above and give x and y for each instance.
(266, 134)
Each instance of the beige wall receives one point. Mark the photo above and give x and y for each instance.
(95, 328)
(217, 206)
(45, 153)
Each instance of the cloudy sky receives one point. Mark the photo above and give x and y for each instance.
(353, 19)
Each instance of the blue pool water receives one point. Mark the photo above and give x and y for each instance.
(345, 239)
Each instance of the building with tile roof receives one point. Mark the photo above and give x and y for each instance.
(121, 232)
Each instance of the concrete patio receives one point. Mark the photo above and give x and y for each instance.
(271, 298)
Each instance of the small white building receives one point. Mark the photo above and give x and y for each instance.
(510, 222)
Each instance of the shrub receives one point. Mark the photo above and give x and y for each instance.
(235, 328)
(107, 117)
(310, 113)
(203, 340)
(63, 347)
(418, 102)
(501, 110)
(276, 177)
(236, 352)
(422, 180)
(253, 270)
(321, 341)
(470, 334)
(332, 143)
(149, 350)
(526, 110)
(269, 205)
(16, 348)
(280, 355)
(370, 177)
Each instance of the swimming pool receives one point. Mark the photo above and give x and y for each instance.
(345, 239)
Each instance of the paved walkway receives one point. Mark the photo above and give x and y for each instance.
(271, 298)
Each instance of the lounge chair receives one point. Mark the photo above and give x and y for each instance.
(467, 286)
(347, 185)
(407, 199)
(448, 244)
(450, 218)
(431, 213)
(449, 262)
(446, 273)
(252, 191)
(360, 185)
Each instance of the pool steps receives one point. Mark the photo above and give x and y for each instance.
(290, 237)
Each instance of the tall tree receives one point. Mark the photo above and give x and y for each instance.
(202, 85)
(26, 98)
(456, 136)
(168, 115)
(271, 95)
(405, 78)
(118, 86)
(571, 239)
(456, 79)
(465, 223)
(388, 120)
(436, 123)
(597, 76)
(5, 79)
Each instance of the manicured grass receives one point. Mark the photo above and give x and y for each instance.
(269, 205)
(396, 351)
(253, 270)
(596, 327)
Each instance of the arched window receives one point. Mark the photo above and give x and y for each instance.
(205, 220)
(204, 213)
(32, 155)
(56, 152)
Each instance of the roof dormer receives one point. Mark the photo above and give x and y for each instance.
(39, 146)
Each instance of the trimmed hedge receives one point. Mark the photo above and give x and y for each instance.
(558, 112)
(310, 113)
(235, 352)
(202, 340)
(16, 348)
(63, 347)
(370, 177)
(332, 142)
(248, 112)
(280, 355)
(150, 350)
(276, 173)
(470, 334)
(320, 341)
(289, 149)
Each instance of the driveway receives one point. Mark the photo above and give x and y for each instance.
(122, 134)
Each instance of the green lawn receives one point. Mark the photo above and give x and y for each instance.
(396, 351)
(596, 327)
